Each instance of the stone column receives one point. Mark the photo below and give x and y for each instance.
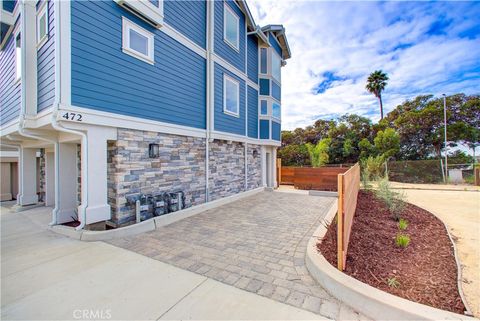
(27, 176)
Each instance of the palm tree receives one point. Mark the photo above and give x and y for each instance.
(376, 83)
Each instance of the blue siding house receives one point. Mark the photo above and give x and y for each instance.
(111, 100)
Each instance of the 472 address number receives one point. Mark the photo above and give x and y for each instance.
(72, 116)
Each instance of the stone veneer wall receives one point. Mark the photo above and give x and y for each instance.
(226, 169)
(254, 166)
(42, 177)
(181, 166)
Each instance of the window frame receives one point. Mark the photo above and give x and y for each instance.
(280, 107)
(18, 57)
(237, 84)
(226, 8)
(266, 60)
(279, 80)
(266, 103)
(40, 13)
(128, 25)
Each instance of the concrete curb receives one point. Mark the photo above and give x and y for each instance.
(322, 193)
(150, 224)
(372, 302)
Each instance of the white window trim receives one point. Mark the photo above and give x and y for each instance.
(18, 60)
(226, 8)
(260, 60)
(126, 26)
(260, 105)
(42, 11)
(237, 84)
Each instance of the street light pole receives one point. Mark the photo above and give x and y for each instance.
(445, 122)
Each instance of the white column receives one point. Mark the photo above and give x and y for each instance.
(29, 57)
(27, 176)
(49, 179)
(67, 180)
(274, 166)
(98, 208)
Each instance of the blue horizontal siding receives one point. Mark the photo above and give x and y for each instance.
(10, 90)
(264, 87)
(264, 129)
(252, 58)
(252, 103)
(104, 78)
(9, 5)
(276, 130)
(46, 65)
(225, 122)
(274, 43)
(276, 91)
(224, 50)
(189, 18)
(154, 2)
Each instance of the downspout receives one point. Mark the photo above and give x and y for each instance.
(210, 75)
(57, 126)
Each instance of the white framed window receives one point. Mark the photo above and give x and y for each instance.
(42, 24)
(231, 27)
(231, 96)
(263, 107)
(276, 65)
(18, 56)
(263, 61)
(276, 111)
(137, 42)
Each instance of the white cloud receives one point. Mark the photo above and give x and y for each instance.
(351, 39)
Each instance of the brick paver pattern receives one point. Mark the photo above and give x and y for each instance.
(257, 244)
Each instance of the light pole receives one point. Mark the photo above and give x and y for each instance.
(445, 121)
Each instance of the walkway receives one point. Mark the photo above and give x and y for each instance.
(256, 244)
(460, 210)
(46, 276)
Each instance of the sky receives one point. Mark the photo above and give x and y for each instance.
(424, 47)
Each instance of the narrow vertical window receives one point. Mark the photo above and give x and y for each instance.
(231, 96)
(231, 27)
(263, 107)
(263, 61)
(276, 66)
(42, 24)
(18, 57)
(276, 112)
(137, 42)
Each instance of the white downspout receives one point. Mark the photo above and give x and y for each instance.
(57, 126)
(210, 93)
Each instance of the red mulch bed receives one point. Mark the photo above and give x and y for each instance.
(426, 269)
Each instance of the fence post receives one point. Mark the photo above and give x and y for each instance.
(340, 223)
(279, 171)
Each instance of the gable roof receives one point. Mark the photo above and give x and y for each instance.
(279, 32)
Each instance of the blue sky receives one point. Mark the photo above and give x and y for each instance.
(425, 47)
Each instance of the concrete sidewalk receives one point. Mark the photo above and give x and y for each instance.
(46, 276)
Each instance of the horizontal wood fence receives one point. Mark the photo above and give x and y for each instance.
(348, 187)
(317, 178)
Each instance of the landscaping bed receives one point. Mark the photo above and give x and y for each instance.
(425, 271)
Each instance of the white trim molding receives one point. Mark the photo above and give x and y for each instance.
(227, 9)
(42, 12)
(145, 10)
(236, 83)
(127, 27)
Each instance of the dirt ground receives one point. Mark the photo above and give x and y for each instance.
(460, 210)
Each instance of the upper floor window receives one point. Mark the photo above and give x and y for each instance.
(263, 61)
(231, 27)
(276, 65)
(276, 112)
(42, 24)
(263, 107)
(231, 96)
(18, 56)
(137, 41)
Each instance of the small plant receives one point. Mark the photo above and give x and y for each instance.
(402, 240)
(373, 167)
(402, 224)
(394, 201)
(393, 282)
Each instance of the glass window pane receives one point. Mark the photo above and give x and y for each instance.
(263, 60)
(276, 66)
(43, 26)
(18, 57)
(138, 42)
(263, 107)
(231, 25)
(231, 96)
(276, 112)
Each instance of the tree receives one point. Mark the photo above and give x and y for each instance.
(366, 149)
(387, 143)
(376, 83)
(294, 155)
(319, 153)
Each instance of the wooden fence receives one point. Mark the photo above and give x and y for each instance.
(348, 186)
(319, 178)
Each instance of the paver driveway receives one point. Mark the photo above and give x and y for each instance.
(257, 244)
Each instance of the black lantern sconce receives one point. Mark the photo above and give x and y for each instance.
(255, 153)
(153, 150)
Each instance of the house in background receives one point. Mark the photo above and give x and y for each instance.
(123, 96)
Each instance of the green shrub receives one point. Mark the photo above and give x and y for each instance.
(402, 240)
(393, 282)
(470, 179)
(402, 224)
(395, 201)
(373, 168)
